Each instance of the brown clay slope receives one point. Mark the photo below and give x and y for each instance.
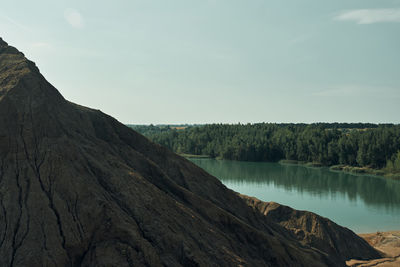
(315, 230)
(388, 243)
(78, 188)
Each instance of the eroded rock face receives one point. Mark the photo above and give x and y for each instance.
(316, 231)
(78, 188)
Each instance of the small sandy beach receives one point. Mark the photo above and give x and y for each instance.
(388, 243)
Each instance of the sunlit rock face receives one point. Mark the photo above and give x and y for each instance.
(315, 231)
(78, 188)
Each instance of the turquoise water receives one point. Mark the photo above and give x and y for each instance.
(361, 203)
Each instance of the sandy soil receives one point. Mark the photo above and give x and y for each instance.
(386, 242)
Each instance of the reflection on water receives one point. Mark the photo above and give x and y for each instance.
(375, 199)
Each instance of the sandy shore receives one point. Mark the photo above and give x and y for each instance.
(388, 243)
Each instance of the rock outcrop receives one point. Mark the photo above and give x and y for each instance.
(78, 188)
(315, 231)
(387, 243)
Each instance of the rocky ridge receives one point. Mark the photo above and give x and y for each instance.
(315, 231)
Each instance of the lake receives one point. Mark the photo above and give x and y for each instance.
(362, 203)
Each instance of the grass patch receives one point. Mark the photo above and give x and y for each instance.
(366, 170)
(297, 162)
(195, 156)
(337, 167)
(289, 161)
(314, 164)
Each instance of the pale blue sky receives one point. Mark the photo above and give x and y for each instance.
(204, 61)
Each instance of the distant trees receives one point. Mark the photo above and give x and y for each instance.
(393, 164)
(329, 144)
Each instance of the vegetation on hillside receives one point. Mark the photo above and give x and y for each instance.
(360, 145)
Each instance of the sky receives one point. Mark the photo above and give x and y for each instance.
(216, 61)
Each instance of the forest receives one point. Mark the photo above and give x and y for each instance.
(374, 146)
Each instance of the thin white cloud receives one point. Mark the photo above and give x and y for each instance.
(359, 90)
(369, 16)
(41, 45)
(74, 18)
(347, 90)
(16, 24)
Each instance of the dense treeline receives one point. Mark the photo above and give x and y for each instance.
(359, 144)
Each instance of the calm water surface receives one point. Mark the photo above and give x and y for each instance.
(361, 203)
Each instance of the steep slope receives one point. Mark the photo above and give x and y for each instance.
(78, 188)
(315, 231)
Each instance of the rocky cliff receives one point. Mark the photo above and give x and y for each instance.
(78, 188)
(315, 231)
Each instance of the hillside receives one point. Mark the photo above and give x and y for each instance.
(78, 188)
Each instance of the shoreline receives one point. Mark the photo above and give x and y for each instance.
(345, 168)
(195, 156)
(359, 171)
